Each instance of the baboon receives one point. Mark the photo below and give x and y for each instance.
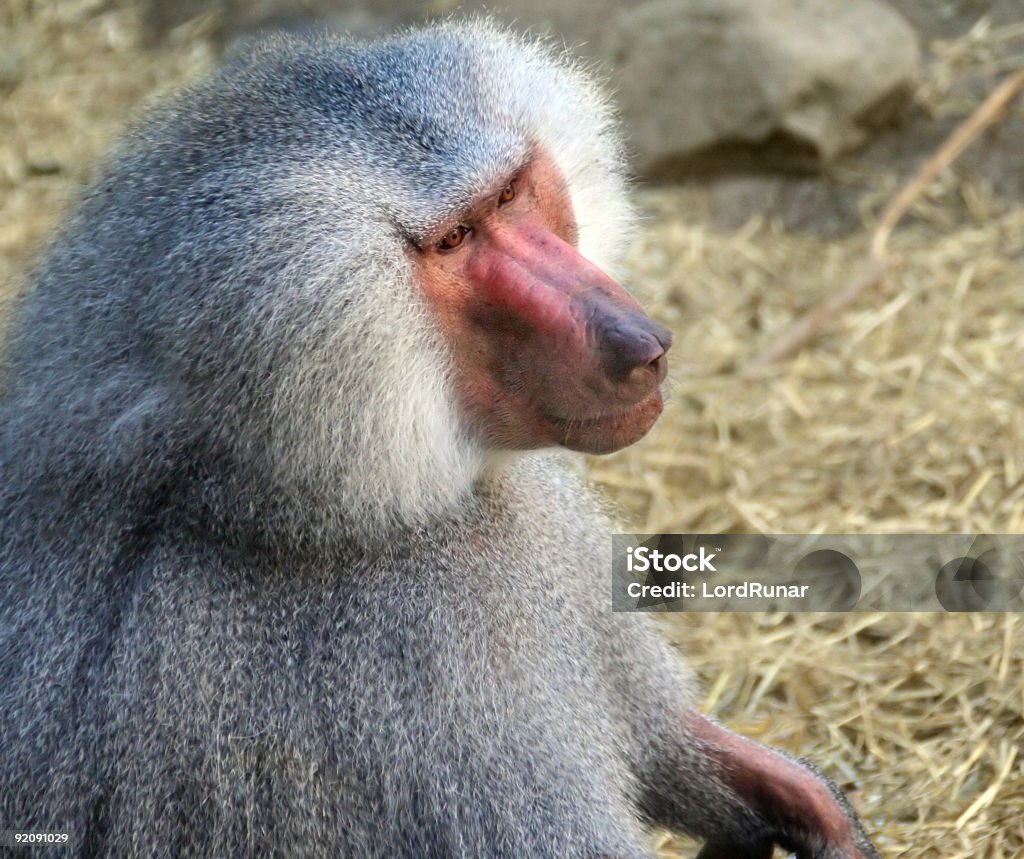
(287, 565)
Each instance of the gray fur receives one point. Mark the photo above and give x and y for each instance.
(261, 591)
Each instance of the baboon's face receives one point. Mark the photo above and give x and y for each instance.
(548, 349)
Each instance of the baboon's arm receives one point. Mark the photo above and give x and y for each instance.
(802, 810)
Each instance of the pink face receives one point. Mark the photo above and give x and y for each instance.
(549, 350)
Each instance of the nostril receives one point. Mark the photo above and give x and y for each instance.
(660, 367)
(631, 357)
(651, 373)
(632, 348)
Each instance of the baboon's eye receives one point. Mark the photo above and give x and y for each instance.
(453, 238)
(508, 194)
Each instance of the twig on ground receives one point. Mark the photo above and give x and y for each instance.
(807, 327)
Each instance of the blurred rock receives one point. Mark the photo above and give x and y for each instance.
(12, 69)
(817, 205)
(729, 84)
(950, 18)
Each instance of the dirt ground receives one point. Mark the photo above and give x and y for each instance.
(905, 417)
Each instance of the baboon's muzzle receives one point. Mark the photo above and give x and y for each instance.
(582, 348)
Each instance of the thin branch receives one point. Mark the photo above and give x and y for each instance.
(807, 327)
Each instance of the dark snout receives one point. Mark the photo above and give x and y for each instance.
(632, 347)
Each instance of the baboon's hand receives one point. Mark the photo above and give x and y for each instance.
(804, 812)
(823, 829)
(809, 846)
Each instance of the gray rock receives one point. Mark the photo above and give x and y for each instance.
(728, 82)
(12, 69)
(950, 18)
